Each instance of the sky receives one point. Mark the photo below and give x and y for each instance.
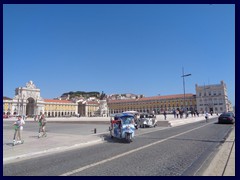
(128, 48)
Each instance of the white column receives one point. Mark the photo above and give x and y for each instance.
(24, 109)
(86, 111)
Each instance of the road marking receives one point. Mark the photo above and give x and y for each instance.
(61, 148)
(140, 133)
(127, 153)
(49, 151)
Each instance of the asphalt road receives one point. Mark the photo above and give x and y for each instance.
(183, 150)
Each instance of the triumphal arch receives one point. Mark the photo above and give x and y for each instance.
(28, 100)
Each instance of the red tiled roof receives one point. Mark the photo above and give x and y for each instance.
(175, 96)
(92, 102)
(57, 101)
(153, 98)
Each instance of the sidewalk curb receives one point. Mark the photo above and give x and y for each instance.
(60, 149)
(175, 123)
(220, 161)
(52, 150)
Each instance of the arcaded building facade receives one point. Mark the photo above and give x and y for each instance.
(59, 108)
(158, 104)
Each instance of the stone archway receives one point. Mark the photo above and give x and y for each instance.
(30, 107)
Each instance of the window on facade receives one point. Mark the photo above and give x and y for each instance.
(220, 100)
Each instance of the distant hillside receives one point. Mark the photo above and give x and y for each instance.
(84, 94)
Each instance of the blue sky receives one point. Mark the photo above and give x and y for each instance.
(138, 48)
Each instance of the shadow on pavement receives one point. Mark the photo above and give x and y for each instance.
(9, 144)
(107, 138)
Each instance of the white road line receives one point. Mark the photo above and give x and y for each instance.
(62, 148)
(127, 153)
(148, 131)
(49, 151)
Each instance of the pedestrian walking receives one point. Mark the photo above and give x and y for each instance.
(42, 126)
(186, 114)
(181, 113)
(197, 113)
(165, 115)
(18, 128)
(211, 113)
(174, 113)
(177, 112)
(136, 121)
(206, 116)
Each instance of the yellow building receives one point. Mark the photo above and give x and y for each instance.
(7, 106)
(89, 108)
(158, 104)
(59, 108)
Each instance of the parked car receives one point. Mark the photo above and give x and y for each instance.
(147, 120)
(227, 117)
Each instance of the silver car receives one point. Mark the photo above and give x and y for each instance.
(147, 120)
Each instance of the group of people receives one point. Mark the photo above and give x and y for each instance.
(179, 113)
(18, 128)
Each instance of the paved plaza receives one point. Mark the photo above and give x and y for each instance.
(58, 141)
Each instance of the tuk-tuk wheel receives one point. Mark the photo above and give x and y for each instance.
(128, 138)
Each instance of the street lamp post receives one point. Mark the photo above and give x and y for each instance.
(183, 76)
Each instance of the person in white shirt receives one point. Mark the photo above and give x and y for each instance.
(18, 126)
(206, 115)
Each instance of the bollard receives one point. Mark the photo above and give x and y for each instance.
(95, 130)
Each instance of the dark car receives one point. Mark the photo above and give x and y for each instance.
(228, 117)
